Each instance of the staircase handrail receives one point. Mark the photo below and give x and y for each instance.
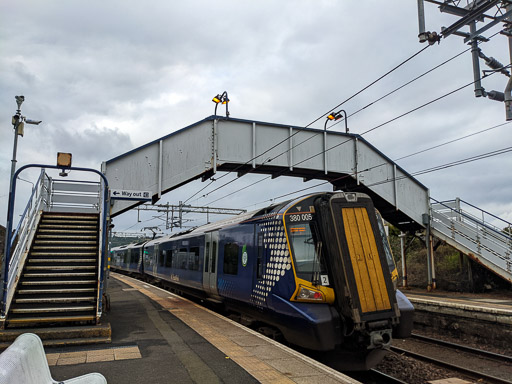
(25, 229)
(476, 220)
(8, 239)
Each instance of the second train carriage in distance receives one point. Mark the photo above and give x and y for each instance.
(317, 270)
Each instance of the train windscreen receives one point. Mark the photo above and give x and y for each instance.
(306, 250)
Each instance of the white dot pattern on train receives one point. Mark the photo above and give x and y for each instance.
(278, 264)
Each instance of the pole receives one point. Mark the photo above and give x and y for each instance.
(429, 265)
(433, 266)
(404, 263)
(479, 91)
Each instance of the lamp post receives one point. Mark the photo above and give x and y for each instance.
(18, 122)
(223, 99)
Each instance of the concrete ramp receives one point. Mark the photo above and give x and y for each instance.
(217, 143)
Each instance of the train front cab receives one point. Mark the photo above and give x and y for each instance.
(364, 290)
(339, 259)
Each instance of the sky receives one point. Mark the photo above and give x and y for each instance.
(108, 76)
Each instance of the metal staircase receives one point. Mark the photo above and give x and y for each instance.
(474, 232)
(59, 281)
(54, 272)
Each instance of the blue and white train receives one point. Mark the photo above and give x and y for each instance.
(317, 270)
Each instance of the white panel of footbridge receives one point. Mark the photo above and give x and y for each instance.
(207, 145)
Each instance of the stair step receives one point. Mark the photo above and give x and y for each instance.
(70, 254)
(58, 282)
(61, 247)
(48, 215)
(62, 260)
(66, 235)
(59, 274)
(77, 231)
(55, 300)
(53, 319)
(58, 334)
(53, 309)
(55, 291)
(63, 242)
(68, 223)
(58, 267)
(62, 227)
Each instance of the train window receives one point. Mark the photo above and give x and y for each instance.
(214, 256)
(193, 259)
(207, 256)
(174, 258)
(182, 258)
(306, 251)
(259, 260)
(387, 249)
(231, 258)
(161, 257)
(148, 256)
(168, 258)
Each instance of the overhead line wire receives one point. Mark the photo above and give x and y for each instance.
(349, 140)
(311, 137)
(314, 121)
(417, 173)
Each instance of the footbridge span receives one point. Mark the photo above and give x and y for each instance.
(347, 161)
(215, 144)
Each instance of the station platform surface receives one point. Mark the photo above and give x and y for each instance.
(158, 337)
(496, 307)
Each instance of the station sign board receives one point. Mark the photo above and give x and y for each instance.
(124, 194)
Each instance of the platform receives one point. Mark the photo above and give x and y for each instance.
(484, 318)
(158, 337)
(478, 306)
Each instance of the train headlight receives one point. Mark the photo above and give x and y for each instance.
(307, 294)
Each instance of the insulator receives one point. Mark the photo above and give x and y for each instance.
(496, 95)
(493, 63)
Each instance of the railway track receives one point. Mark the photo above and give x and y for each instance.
(374, 376)
(465, 348)
(472, 362)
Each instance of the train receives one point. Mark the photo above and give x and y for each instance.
(316, 271)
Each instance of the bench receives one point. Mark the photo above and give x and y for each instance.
(24, 362)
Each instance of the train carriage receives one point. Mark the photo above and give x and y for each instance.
(317, 270)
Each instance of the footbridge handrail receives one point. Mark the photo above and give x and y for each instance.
(482, 241)
(455, 205)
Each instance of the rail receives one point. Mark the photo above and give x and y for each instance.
(473, 235)
(22, 238)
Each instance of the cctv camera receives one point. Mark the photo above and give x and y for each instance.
(34, 122)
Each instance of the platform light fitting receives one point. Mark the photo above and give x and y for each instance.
(334, 116)
(221, 99)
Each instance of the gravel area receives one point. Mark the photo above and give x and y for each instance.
(412, 371)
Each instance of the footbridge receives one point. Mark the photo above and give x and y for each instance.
(347, 161)
(215, 144)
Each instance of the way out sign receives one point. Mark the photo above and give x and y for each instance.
(123, 194)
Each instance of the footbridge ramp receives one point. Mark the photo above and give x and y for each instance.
(215, 144)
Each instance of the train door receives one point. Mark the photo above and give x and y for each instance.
(211, 252)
